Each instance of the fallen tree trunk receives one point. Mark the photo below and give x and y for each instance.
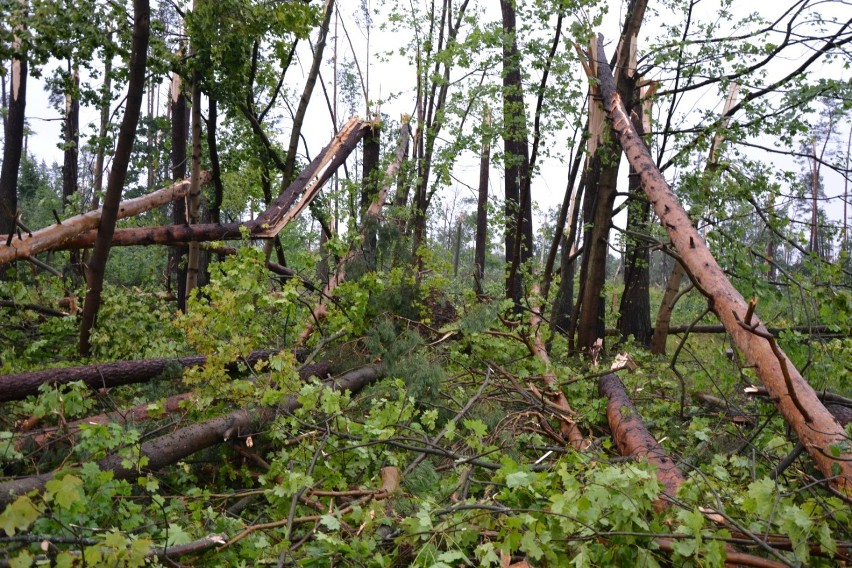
(633, 438)
(821, 434)
(171, 448)
(822, 330)
(21, 385)
(56, 236)
(145, 412)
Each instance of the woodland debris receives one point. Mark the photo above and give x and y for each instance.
(823, 437)
(171, 448)
(21, 385)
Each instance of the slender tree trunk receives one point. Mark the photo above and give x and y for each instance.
(70, 167)
(13, 142)
(664, 315)
(180, 132)
(193, 200)
(126, 136)
(457, 246)
(519, 237)
(106, 98)
(215, 168)
(482, 205)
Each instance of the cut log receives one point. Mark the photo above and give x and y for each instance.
(55, 236)
(21, 385)
(171, 448)
(634, 439)
(821, 434)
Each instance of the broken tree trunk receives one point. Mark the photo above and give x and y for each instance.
(820, 433)
(171, 448)
(633, 438)
(62, 235)
(21, 385)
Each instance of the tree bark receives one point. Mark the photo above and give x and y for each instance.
(179, 133)
(171, 448)
(816, 428)
(482, 205)
(13, 140)
(193, 198)
(633, 438)
(664, 315)
(69, 166)
(518, 202)
(370, 182)
(105, 102)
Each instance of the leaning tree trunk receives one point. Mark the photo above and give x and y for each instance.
(820, 433)
(121, 160)
(13, 141)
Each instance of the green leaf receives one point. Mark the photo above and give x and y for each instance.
(330, 522)
(19, 515)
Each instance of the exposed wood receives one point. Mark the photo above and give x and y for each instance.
(62, 236)
(193, 198)
(96, 265)
(632, 436)
(797, 401)
(21, 385)
(171, 448)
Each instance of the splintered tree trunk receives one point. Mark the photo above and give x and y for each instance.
(177, 101)
(482, 205)
(126, 136)
(13, 142)
(820, 433)
(519, 236)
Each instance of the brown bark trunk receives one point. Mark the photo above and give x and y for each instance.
(193, 198)
(518, 202)
(633, 438)
(179, 134)
(107, 375)
(215, 169)
(69, 166)
(13, 143)
(370, 181)
(112, 199)
(817, 429)
(171, 448)
(482, 205)
(106, 98)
